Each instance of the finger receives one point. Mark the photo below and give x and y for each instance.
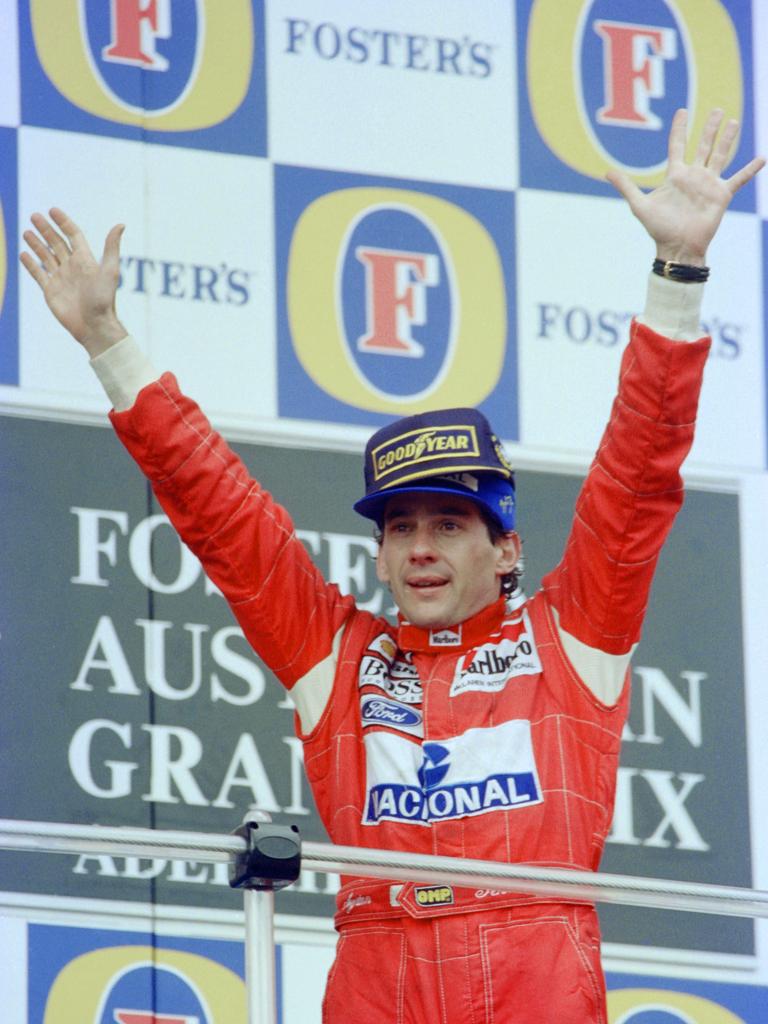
(723, 149)
(624, 184)
(34, 269)
(111, 257)
(746, 174)
(52, 238)
(707, 139)
(43, 253)
(677, 136)
(74, 235)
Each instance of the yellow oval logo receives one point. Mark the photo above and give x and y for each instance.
(396, 293)
(632, 62)
(625, 1004)
(216, 65)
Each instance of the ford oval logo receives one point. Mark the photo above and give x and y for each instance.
(378, 709)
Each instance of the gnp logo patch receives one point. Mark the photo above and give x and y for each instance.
(433, 895)
(132, 983)
(604, 78)
(392, 300)
(166, 66)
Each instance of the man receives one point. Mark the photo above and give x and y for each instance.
(481, 725)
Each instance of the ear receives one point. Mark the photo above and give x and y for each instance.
(508, 553)
(381, 567)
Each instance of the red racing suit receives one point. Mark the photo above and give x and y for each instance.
(476, 741)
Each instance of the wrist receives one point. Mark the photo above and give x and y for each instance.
(102, 335)
(681, 254)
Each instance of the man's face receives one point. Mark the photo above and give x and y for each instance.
(438, 559)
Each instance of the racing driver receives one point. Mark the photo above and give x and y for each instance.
(483, 724)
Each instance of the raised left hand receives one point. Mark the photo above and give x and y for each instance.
(684, 212)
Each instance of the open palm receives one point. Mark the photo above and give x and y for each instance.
(683, 213)
(79, 289)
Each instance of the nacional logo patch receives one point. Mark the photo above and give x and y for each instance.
(482, 770)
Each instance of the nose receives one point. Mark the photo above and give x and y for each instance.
(422, 549)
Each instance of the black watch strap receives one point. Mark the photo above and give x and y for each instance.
(680, 271)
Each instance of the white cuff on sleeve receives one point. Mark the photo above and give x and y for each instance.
(673, 308)
(123, 371)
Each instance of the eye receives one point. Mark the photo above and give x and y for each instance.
(397, 526)
(450, 526)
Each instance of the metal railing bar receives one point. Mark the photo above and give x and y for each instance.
(554, 883)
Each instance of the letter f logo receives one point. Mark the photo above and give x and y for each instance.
(395, 289)
(633, 68)
(135, 28)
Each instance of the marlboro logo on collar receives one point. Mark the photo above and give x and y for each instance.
(445, 637)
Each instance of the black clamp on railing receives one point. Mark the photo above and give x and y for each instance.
(271, 859)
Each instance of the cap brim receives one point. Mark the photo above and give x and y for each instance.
(374, 506)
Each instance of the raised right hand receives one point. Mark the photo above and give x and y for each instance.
(79, 290)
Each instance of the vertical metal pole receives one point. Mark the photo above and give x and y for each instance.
(260, 956)
(260, 945)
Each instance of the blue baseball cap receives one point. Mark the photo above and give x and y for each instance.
(446, 451)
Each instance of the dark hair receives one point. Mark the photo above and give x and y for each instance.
(510, 582)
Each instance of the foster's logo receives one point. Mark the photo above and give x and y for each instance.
(395, 301)
(621, 69)
(145, 985)
(637, 1005)
(164, 65)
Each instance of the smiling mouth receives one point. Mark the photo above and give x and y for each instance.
(431, 583)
